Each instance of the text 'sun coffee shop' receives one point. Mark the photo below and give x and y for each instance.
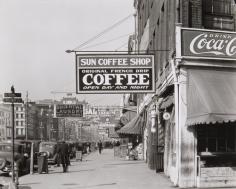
(205, 109)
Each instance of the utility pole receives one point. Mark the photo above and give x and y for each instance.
(13, 134)
(13, 98)
(64, 129)
(41, 124)
(26, 116)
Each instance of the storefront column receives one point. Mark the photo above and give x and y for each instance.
(187, 168)
(175, 167)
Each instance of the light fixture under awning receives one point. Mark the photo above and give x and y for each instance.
(211, 96)
(133, 127)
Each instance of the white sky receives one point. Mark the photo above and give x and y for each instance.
(34, 35)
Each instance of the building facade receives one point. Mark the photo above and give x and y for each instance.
(20, 121)
(189, 130)
(5, 122)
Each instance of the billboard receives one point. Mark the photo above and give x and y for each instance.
(69, 110)
(115, 73)
(207, 44)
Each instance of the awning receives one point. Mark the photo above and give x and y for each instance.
(130, 108)
(133, 127)
(211, 96)
(113, 133)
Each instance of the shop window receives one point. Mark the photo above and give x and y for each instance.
(22, 132)
(217, 138)
(18, 131)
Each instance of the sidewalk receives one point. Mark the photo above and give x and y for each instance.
(98, 171)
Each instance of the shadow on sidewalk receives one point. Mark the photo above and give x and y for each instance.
(97, 185)
(71, 171)
(126, 163)
(24, 187)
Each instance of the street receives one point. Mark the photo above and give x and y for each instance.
(98, 171)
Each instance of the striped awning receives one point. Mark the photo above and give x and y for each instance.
(211, 96)
(133, 127)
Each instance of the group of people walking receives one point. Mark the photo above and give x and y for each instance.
(63, 152)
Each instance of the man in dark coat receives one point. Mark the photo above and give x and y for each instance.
(58, 158)
(64, 154)
(100, 146)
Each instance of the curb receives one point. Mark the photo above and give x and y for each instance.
(8, 185)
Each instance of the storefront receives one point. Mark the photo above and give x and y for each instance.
(211, 103)
(205, 109)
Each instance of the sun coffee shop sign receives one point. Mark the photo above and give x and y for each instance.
(207, 44)
(114, 73)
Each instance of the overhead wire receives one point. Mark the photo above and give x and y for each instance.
(104, 42)
(103, 32)
(121, 46)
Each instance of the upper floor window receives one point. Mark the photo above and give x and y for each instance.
(217, 14)
(220, 7)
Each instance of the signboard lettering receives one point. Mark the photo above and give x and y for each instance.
(8, 95)
(64, 110)
(115, 73)
(15, 100)
(208, 43)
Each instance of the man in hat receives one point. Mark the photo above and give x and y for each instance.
(64, 154)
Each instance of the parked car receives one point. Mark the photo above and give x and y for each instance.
(28, 144)
(48, 149)
(21, 158)
(72, 149)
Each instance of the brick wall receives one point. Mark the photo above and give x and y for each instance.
(192, 13)
(196, 10)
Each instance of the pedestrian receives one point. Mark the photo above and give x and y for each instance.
(100, 146)
(70, 153)
(64, 154)
(58, 158)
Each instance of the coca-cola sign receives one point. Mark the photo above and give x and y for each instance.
(208, 44)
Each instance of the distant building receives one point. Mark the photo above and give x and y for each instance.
(20, 121)
(5, 122)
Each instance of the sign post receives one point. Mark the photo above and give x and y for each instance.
(13, 138)
(13, 98)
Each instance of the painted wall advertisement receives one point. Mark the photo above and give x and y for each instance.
(115, 73)
(208, 44)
